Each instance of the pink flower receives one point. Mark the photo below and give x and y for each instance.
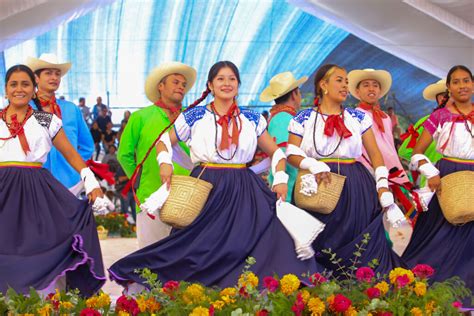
(262, 312)
(270, 283)
(129, 305)
(385, 314)
(341, 303)
(243, 292)
(457, 304)
(365, 274)
(170, 286)
(211, 310)
(317, 278)
(423, 271)
(89, 312)
(298, 307)
(402, 280)
(373, 292)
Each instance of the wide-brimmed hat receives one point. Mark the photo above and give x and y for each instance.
(280, 85)
(166, 69)
(48, 61)
(434, 89)
(383, 77)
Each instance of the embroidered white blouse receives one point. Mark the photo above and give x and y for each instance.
(459, 142)
(199, 129)
(303, 125)
(40, 130)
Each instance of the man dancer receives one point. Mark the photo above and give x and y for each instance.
(165, 87)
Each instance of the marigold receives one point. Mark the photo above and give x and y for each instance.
(227, 299)
(430, 307)
(123, 313)
(383, 287)
(218, 304)
(351, 311)
(316, 306)
(400, 272)
(92, 302)
(420, 288)
(415, 311)
(229, 291)
(305, 295)
(248, 279)
(45, 310)
(330, 299)
(289, 284)
(200, 311)
(66, 305)
(193, 294)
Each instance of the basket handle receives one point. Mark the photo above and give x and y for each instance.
(202, 171)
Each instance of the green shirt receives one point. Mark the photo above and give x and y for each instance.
(278, 129)
(141, 131)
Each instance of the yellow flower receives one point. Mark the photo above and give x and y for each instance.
(92, 302)
(193, 294)
(415, 311)
(420, 288)
(45, 310)
(351, 311)
(316, 306)
(122, 313)
(330, 299)
(248, 279)
(153, 305)
(383, 287)
(227, 299)
(218, 304)
(66, 305)
(200, 311)
(430, 307)
(56, 296)
(103, 300)
(305, 295)
(229, 291)
(141, 302)
(289, 284)
(395, 273)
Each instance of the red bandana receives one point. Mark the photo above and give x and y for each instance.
(411, 132)
(53, 106)
(282, 108)
(377, 113)
(335, 123)
(16, 128)
(224, 120)
(172, 109)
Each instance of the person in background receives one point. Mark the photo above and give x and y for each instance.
(86, 112)
(109, 137)
(98, 107)
(97, 137)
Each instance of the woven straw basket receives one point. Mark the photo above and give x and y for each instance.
(457, 197)
(325, 200)
(186, 200)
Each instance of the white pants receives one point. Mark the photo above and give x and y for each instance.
(150, 230)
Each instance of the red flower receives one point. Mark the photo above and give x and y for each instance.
(55, 303)
(129, 305)
(423, 271)
(298, 307)
(211, 310)
(270, 283)
(365, 274)
(373, 292)
(262, 312)
(89, 312)
(341, 303)
(385, 314)
(457, 304)
(402, 280)
(243, 292)
(317, 278)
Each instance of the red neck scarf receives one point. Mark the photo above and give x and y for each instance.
(53, 106)
(411, 132)
(333, 123)
(282, 108)
(224, 120)
(16, 128)
(172, 109)
(459, 119)
(377, 113)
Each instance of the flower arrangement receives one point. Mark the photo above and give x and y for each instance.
(116, 224)
(362, 292)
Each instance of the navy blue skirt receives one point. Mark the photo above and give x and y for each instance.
(358, 212)
(445, 247)
(237, 222)
(46, 233)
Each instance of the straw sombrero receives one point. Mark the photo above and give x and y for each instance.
(48, 61)
(169, 68)
(434, 89)
(381, 76)
(280, 85)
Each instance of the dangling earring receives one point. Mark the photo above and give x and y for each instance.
(326, 91)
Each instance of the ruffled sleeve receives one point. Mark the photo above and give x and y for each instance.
(54, 127)
(261, 125)
(182, 128)
(297, 123)
(365, 123)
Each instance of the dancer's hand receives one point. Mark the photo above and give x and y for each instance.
(166, 170)
(281, 190)
(434, 183)
(97, 192)
(323, 177)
